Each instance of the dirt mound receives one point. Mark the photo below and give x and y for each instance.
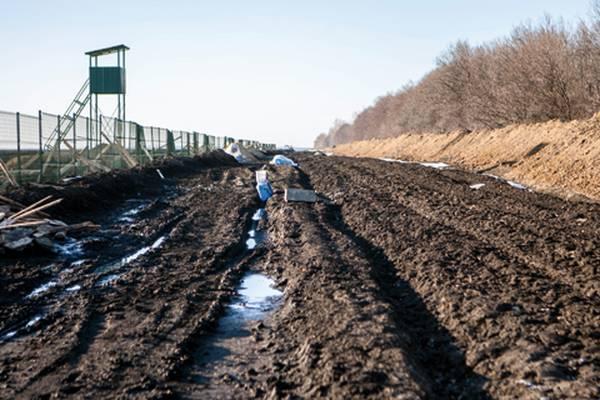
(100, 191)
(557, 157)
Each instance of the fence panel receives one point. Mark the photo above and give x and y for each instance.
(31, 150)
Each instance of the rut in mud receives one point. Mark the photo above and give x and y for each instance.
(403, 281)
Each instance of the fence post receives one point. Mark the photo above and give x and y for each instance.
(138, 144)
(152, 140)
(88, 141)
(19, 177)
(58, 146)
(75, 144)
(40, 150)
(188, 145)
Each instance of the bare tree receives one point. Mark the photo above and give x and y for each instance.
(537, 73)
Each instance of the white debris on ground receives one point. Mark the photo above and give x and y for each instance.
(241, 154)
(517, 185)
(282, 160)
(263, 186)
(436, 165)
(394, 160)
(477, 186)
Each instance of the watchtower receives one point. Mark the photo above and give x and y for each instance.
(107, 80)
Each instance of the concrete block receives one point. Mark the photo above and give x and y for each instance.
(306, 196)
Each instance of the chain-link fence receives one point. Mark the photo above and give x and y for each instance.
(49, 148)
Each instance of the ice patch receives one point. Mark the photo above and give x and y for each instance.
(126, 260)
(251, 244)
(43, 288)
(159, 242)
(517, 185)
(107, 280)
(72, 248)
(33, 321)
(78, 263)
(436, 165)
(256, 297)
(74, 288)
(259, 214)
(477, 186)
(394, 160)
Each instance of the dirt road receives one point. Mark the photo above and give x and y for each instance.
(404, 281)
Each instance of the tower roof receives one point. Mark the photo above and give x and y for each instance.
(107, 50)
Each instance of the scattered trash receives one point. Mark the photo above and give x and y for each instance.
(240, 153)
(477, 186)
(283, 160)
(22, 227)
(263, 187)
(160, 174)
(300, 195)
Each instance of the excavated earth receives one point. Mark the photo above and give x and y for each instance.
(402, 281)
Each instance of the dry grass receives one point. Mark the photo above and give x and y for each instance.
(558, 157)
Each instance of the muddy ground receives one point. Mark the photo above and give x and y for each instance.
(401, 282)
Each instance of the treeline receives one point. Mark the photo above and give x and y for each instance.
(537, 73)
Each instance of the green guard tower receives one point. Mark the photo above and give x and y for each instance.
(107, 80)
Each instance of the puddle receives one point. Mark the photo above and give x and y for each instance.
(256, 297)
(70, 249)
(41, 289)
(129, 215)
(256, 236)
(259, 214)
(115, 265)
(73, 289)
(17, 329)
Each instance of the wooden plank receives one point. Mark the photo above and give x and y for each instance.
(7, 173)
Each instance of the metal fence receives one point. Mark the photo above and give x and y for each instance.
(50, 148)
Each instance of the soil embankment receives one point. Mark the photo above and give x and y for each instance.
(562, 158)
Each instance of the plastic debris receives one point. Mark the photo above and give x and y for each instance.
(241, 154)
(263, 187)
(300, 195)
(283, 160)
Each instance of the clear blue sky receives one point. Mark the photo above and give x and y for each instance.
(275, 71)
